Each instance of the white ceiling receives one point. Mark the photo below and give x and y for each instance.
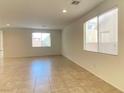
(42, 13)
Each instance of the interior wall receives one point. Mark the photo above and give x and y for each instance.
(108, 67)
(1, 41)
(18, 43)
(1, 44)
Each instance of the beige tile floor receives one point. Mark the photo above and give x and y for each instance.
(53, 74)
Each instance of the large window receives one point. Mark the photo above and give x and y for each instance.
(41, 39)
(101, 33)
(91, 34)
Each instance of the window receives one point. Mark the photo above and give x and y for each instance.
(91, 35)
(101, 33)
(41, 39)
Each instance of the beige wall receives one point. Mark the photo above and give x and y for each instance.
(107, 67)
(1, 41)
(18, 43)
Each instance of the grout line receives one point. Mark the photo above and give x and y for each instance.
(35, 82)
(50, 84)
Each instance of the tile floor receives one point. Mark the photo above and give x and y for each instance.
(53, 74)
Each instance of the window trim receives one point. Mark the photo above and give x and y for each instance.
(41, 45)
(84, 32)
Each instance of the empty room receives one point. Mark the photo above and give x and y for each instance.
(61, 46)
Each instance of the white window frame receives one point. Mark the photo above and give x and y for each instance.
(84, 28)
(41, 37)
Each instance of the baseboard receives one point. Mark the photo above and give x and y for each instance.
(93, 73)
(34, 56)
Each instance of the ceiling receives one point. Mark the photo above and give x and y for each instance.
(45, 14)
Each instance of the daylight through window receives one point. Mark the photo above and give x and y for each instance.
(101, 33)
(41, 40)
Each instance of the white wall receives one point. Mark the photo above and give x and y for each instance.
(107, 67)
(18, 43)
(1, 40)
(1, 44)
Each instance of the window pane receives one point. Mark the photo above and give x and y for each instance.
(36, 35)
(36, 39)
(108, 35)
(46, 41)
(91, 35)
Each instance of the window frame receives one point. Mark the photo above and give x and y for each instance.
(41, 37)
(84, 32)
